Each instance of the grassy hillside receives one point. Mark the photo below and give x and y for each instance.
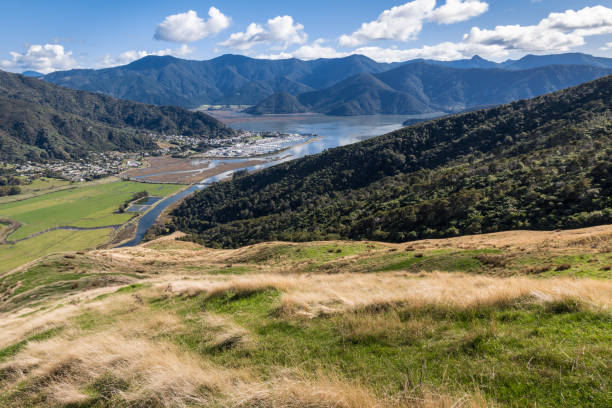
(39, 120)
(506, 320)
(541, 163)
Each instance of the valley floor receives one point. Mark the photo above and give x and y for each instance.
(66, 217)
(509, 319)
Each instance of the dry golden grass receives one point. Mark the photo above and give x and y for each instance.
(168, 254)
(15, 326)
(127, 357)
(142, 372)
(324, 294)
(313, 295)
(588, 239)
(125, 362)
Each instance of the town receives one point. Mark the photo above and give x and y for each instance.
(98, 165)
(94, 166)
(252, 144)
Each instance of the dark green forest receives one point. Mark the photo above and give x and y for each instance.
(40, 121)
(543, 163)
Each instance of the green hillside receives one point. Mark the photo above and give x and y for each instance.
(542, 163)
(39, 121)
(338, 324)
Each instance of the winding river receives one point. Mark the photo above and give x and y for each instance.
(331, 131)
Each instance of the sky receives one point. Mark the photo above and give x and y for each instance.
(46, 36)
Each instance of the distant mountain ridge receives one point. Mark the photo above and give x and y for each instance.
(421, 87)
(236, 79)
(32, 74)
(40, 121)
(229, 79)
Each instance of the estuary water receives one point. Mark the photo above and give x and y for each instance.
(330, 131)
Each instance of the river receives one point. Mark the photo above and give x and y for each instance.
(331, 132)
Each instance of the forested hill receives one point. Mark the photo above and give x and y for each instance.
(39, 120)
(542, 163)
(228, 79)
(419, 87)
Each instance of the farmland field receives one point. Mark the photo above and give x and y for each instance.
(45, 185)
(12, 256)
(90, 206)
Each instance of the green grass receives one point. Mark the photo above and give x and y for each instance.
(314, 254)
(90, 206)
(45, 185)
(515, 354)
(55, 277)
(589, 265)
(12, 256)
(9, 351)
(4, 228)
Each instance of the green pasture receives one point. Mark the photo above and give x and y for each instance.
(90, 206)
(12, 256)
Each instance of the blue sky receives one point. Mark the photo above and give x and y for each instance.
(62, 34)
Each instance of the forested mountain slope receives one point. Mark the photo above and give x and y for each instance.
(39, 120)
(421, 87)
(541, 163)
(236, 79)
(279, 103)
(228, 79)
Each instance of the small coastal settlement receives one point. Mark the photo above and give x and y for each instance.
(98, 165)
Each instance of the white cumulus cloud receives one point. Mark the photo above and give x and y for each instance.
(445, 51)
(42, 58)
(189, 27)
(455, 11)
(308, 52)
(280, 31)
(606, 47)
(559, 32)
(405, 22)
(132, 55)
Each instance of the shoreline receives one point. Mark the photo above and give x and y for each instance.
(263, 155)
(168, 170)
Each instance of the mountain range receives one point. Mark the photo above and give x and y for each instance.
(421, 87)
(229, 79)
(235, 79)
(541, 163)
(39, 121)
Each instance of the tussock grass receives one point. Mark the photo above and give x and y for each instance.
(148, 373)
(294, 325)
(109, 369)
(237, 285)
(323, 294)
